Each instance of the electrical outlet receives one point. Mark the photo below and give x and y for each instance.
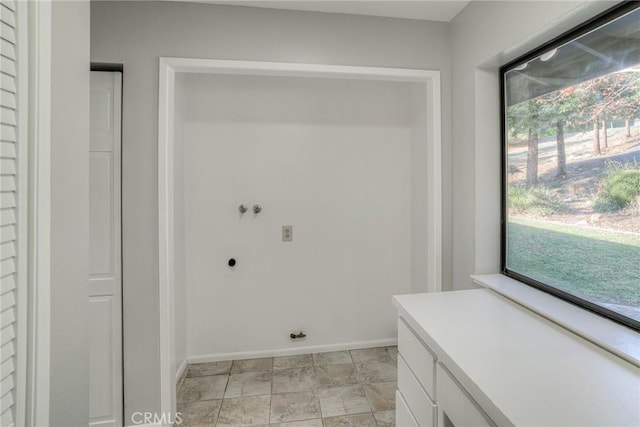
(287, 233)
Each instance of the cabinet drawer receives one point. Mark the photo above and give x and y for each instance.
(457, 404)
(420, 405)
(418, 358)
(404, 418)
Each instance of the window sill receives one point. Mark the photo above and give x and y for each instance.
(613, 337)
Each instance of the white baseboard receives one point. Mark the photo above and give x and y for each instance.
(181, 370)
(291, 351)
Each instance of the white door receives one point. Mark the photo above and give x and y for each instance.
(105, 272)
(14, 178)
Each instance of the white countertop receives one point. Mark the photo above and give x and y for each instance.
(521, 368)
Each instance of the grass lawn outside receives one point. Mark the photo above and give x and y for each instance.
(600, 266)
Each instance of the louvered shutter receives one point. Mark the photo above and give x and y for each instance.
(9, 245)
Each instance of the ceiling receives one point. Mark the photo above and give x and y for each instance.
(431, 10)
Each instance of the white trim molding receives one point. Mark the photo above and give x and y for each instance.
(243, 355)
(168, 67)
(181, 370)
(39, 212)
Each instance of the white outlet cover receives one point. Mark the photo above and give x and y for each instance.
(287, 233)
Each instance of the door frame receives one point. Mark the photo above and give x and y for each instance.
(168, 68)
(35, 87)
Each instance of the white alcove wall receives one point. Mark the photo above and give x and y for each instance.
(343, 162)
(349, 156)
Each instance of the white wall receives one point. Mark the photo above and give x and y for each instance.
(138, 33)
(69, 364)
(332, 158)
(485, 35)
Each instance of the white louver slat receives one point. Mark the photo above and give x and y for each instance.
(9, 215)
(8, 199)
(7, 99)
(7, 234)
(7, 183)
(7, 16)
(7, 284)
(7, 66)
(8, 150)
(7, 33)
(7, 250)
(6, 351)
(8, 82)
(6, 385)
(8, 116)
(8, 50)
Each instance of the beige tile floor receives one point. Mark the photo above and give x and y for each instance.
(338, 389)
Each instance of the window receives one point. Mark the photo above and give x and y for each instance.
(571, 166)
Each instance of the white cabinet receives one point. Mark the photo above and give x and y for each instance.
(418, 374)
(416, 379)
(473, 358)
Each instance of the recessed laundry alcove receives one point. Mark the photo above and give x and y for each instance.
(347, 156)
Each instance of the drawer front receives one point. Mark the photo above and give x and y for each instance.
(403, 415)
(422, 408)
(457, 404)
(418, 358)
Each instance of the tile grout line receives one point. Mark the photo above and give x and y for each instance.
(223, 393)
(365, 393)
(315, 377)
(271, 398)
(273, 363)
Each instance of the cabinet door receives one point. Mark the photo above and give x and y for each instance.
(404, 418)
(419, 359)
(457, 404)
(420, 405)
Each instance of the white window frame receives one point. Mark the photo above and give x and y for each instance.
(593, 24)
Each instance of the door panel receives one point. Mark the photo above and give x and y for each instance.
(101, 342)
(101, 214)
(105, 278)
